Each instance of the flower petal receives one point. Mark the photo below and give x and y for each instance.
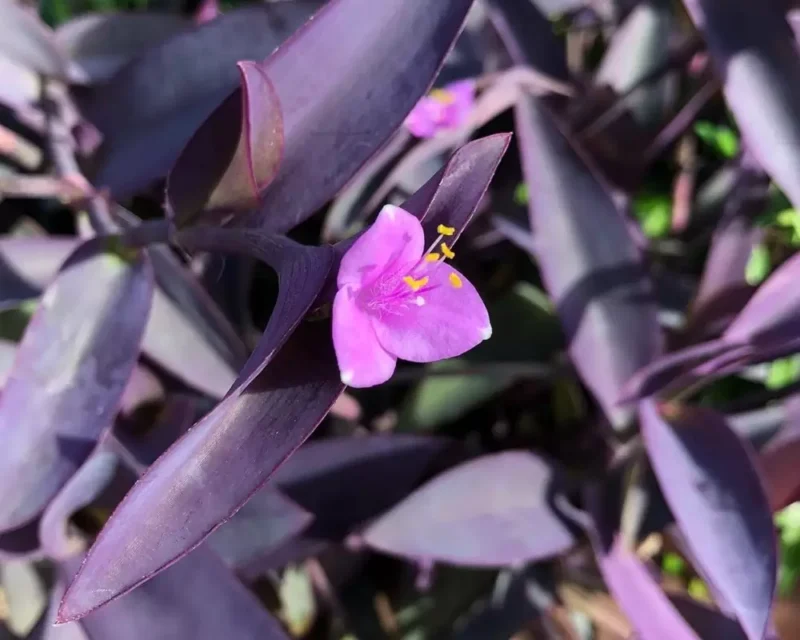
(421, 122)
(449, 321)
(395, 239)
(363, 362)
(463, 93)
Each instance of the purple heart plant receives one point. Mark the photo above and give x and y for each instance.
(391, 319)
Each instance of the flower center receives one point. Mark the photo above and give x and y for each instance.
(431, 256)
(442, 96)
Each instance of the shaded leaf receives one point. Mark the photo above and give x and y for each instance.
(83, 356)
(528, 36)
(145, 127)
(266, 521)
(725, 285)
(778, 461)
(756, 55)
(195, 599)
(385, 53)
(244, 433)
(285, 389)
(633, 585)
(235, 153)
(709, 480)
(186, 333)
(345, 481)
(639, 47)
(80, 490)
(24, 38)
(589, 262)
(100, 44)
(492, 511)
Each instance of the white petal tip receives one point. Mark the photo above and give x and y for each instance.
(420, 301)
(390, 212)
(486, 332)
(347, 376)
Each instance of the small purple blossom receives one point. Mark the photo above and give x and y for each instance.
(446, 108)
(396, 300)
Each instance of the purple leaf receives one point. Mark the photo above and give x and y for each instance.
(21, 543)
(384, 53)
(196, 599)
(143, 388)
(186, 334)
(140, 450)
(492, 511)
(757, 58)
(284, 390)
(710, 624)
(709, 480)
(589, 262)
(248, 433)
(211, 350)
(100, 44)
(641, 599)
(145, 127)
(82, 355)
(639, 47)
(632, 584)
(723, 290)
(778, 462)
(528, 36)
(26, 39)
(234, 155)
(345, 481)
(454, 193)
(347, 210)
(267, 521)
(771, 314)
(35, 260)
(83, 487)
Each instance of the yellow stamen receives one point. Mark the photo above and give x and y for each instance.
(446, 251)
(442, 96)
(445, 231)
(432, 257)
(415, 285)
(455, 281)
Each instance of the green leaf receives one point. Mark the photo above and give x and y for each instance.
(521, 194)
(654, 212)
(758, 266)
(721, 138)
(783, 372)
(788, 522)
(672, 564)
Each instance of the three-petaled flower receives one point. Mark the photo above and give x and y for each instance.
(396, 300)
(445, 108)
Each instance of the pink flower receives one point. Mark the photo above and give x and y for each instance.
(446, 108)
(394, 301)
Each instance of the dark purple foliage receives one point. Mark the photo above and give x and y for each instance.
(181, 189)
(72, 365)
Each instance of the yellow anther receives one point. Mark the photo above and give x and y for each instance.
(415, 285)
(432, 257)
(446, 251)
(445, 231)
(455, 281)
(442, 96)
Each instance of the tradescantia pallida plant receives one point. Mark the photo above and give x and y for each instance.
(384, 318)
